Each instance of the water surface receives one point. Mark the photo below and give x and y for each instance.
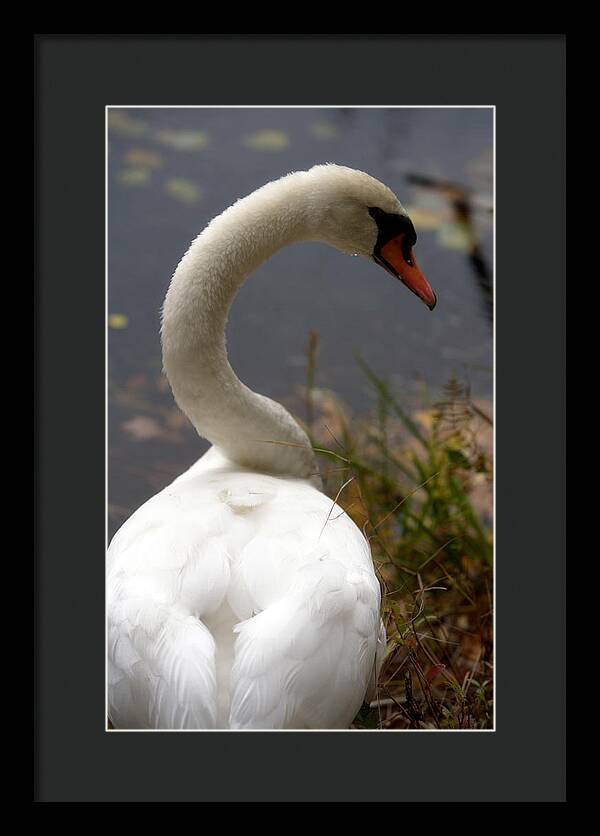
(172, 170)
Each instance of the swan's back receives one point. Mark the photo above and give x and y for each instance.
(240, 600)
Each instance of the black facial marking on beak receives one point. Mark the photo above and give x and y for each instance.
(390, 226)
(396, 237)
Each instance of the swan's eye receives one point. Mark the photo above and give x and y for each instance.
(407, 252)
(392, 225)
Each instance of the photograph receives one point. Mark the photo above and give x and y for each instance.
(300, 429)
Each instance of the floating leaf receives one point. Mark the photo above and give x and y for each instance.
(122, 123)
(267, 140)
(142, 158)
(183, 140)
(142, 428)
(183, 190)
(133, 176)
(455, 236)
(118, 320)
(324, 130)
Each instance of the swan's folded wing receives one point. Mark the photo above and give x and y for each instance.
(306, 660)
(161, 669)
(161, 654)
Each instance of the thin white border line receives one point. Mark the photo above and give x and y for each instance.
(302, 107)
(300, 731)
(296, 107)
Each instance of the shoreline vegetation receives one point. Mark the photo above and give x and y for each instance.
(420, 487)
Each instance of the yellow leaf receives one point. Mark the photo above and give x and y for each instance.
(141, 158)
(183, 190)
(324, 130)
(267, 140)
(183, 140)
(122, 123)
(134, 176)
(455, 237)
(118, 320)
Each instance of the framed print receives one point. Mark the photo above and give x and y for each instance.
(308, 514)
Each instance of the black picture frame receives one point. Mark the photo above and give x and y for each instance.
(76, 77)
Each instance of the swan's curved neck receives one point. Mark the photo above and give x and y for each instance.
(252, 430)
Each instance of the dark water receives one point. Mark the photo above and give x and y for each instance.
(171, 170)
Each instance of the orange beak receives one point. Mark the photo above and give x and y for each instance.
(399, 261)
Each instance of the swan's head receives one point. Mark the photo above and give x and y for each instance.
(356, 213)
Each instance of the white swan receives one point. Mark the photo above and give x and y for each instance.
(238, 597)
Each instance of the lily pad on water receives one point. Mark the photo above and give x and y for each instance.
(267, 140)
(121, 122)
(142, 158)
(183, 190)
(183, 140)
(134, 176)
(324, 130)
(118, 321)
(455, 236)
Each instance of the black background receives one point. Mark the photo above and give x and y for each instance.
(77, 76)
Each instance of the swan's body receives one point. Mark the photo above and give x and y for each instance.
(240, 596)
